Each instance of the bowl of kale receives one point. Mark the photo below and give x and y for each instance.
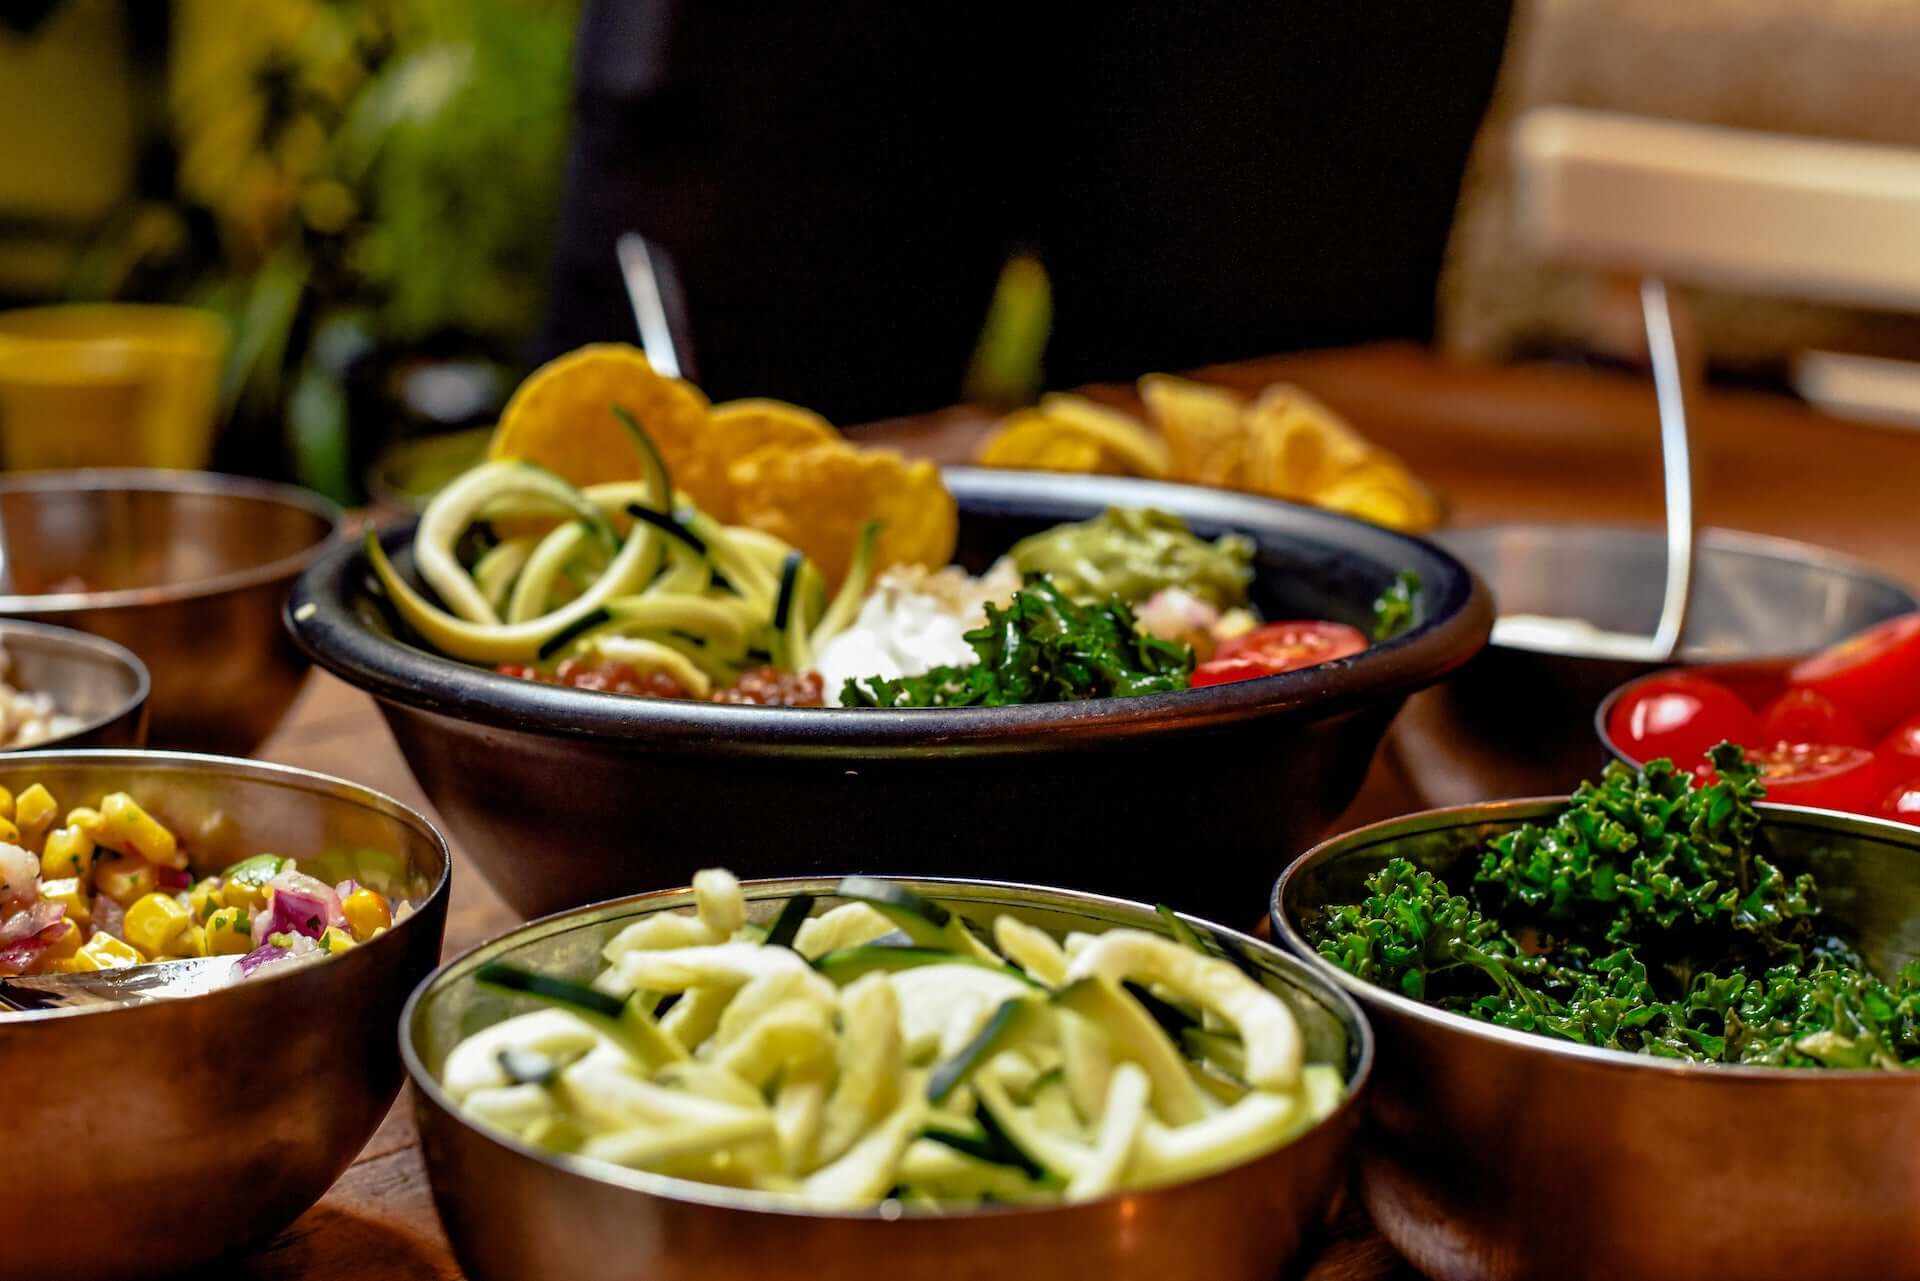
(1659, 1028)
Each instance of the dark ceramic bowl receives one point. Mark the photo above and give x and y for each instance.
(1195, 798)
(100, 683)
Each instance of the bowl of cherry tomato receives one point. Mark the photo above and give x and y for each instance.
(1839, 730)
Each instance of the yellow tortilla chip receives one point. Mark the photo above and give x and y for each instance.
(1206, 443)
(1121, 437)
(738, 428)
(1381, 489)
(1033, 441)
(819, 498)
(1296, 445)
(562, 416)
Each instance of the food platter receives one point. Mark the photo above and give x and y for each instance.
(485, 1181)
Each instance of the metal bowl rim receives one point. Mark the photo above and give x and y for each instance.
(1737, 541)
(1353, 1019)
(1592, 1056)
(306, 780)
(162, 480)
(74, 639)
(325, 626)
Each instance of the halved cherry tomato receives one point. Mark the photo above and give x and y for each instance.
(1825, 776)
(1874, 674)
(1808, 716)
(1679, 716)
(1903, 803)
(1278, 647)
(1904, 741)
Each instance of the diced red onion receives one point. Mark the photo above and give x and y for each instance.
(345, 888)
(20, 925)
(109, 917)
(173, 878)
(258, 957)
(300, 904)
(19, 958)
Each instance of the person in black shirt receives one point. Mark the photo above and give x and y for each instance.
(836, 185)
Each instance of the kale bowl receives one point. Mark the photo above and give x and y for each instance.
(1191, 797)
(1493, 1152)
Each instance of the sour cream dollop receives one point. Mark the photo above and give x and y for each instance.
(914, 621)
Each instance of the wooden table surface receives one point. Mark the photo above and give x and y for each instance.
(1501, 444)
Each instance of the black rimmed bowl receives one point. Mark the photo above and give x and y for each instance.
(186, 569)
(1497, 1155)
(565, 797)
(100, 684)
(519, 1213)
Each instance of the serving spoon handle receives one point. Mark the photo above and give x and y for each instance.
(128, 985)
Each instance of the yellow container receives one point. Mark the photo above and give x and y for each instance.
(109, 385)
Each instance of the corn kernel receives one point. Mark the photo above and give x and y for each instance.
(367, 913)
(126, 827)
(192, 941)
(335, 940)
(34, 811)
(68, 852)
(245, 883)
(63, 945)
(155, 923)
(71, 894)
(8, 832)
(102, 952)
(125, 879)
(229, 932)
(6, 804)
(84, 817)
(205, 898)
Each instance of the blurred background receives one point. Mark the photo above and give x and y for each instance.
(379, 213)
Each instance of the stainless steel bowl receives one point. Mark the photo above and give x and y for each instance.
(516, 1213)
(99, 682)
(148, 1139)
(1493, 1154)
(1754, 597)
(187, 570)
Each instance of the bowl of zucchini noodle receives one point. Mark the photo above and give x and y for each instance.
(881, 1078)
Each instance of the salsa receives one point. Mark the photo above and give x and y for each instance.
(761, 686)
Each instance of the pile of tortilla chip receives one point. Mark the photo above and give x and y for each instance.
(1284, 444)
(759, 463)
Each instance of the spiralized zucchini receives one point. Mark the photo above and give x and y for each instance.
(889, 1052)
(632, 572)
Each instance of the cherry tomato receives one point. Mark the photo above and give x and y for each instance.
(1874, 674)
(1679, 716)
(1808, 716)
(1278, 647)
(1903, 803)
(1904, 741)
(1825, 776)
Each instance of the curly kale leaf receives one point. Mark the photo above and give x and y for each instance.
(1041, 648)
(1645, 852)
(1642, 919)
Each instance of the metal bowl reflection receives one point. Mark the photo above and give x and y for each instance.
(149, 1139)
(516, 1213)
(102, 684)
(1754, 597)
(1495, 1155)
(186, 569)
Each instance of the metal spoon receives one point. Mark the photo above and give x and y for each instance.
(641, 274)
(1577, 636)
(129, 985)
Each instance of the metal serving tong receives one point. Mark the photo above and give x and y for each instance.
(1575, 636)
(129, 985)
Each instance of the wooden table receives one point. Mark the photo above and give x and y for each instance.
(1501, 444)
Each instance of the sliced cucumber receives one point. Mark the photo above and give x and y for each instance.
(1007, 1126)
(1182, 932)
(846, 964)
(528, 1067)
(625, 1022)
(659, 480)
(786, 926)
(846, 603)
(1014, 1019)
(1219, 1050)
(671, 527)
(927, 923)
